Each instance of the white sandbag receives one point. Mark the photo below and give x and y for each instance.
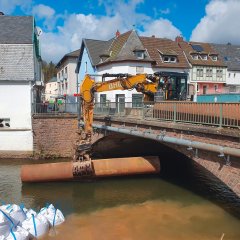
(5, 207)
(30, 212)
(19, 233)
(36, 225)
(54, 216)
(5, 225)
(17, 214)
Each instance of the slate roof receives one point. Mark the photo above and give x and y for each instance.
(96, 48)
(230, 54)
(125, 46)
(16, 29)
(156, 46)
(206, 49)
(73, 54)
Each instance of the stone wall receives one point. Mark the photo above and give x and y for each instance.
(54, 136)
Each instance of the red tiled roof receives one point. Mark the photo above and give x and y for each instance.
(166, 47)
(207, 50)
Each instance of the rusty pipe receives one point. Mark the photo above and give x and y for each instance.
(102, 168)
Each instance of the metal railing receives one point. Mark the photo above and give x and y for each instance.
(55, 108)
(215, 114)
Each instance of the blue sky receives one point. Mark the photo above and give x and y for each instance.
(66, 22)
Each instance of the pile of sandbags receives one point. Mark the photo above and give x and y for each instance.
(19, 223)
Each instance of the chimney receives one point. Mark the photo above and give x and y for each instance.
(179, 39)
(1, 13)
(117, 34)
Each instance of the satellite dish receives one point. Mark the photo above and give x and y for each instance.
(38, 31)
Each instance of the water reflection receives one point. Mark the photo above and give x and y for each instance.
(152, 220)
(181, 203)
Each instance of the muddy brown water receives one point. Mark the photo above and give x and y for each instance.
(173, 206)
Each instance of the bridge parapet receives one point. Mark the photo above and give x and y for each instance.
(214, 114)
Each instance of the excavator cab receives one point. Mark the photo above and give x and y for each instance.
(172, 86)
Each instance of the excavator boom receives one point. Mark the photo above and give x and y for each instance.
(144, 83)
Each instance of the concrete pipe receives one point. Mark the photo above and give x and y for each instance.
(101, 168)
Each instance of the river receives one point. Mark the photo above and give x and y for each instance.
(178, 205)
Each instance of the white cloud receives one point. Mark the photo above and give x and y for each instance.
(121, 15)
(161, 28)
(221, 23)
(48, 14)
(77, 26)
(43, 11)
(8, 6)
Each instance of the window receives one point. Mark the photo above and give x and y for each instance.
(199, 72)
(169, 59)
(234, 75)
(194, 56)
(62, 72)
(216, 88)
(204, 57)
(139, 69)
(204, 89)
(4, 123)
(66, 86)
(219, 73)
(139, 54)
(209, 72)
(66, 70)
(197, 87)
(137, 100)
(229, 74)
(214, 57)
(103, 99)
(232, 89)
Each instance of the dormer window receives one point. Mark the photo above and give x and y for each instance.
(139, 54)
(214, 57)
(204, 57)
(194, 56)
(169, 59)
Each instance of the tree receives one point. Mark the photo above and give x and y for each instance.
(49, 70)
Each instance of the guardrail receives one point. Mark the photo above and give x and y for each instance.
(215, 114)
(55, 108)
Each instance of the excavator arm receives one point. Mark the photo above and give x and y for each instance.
(144, 83)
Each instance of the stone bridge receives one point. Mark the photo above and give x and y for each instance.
(209, 134)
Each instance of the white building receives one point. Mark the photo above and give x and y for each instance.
(20, 75)
(66, 76)
(230, 54)
(132, 54)
(52, 89)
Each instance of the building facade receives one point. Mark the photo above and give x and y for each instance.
(230, 54)
(20, 80)
(132, 54)
(52, 89)
(66, 76)
(208, 71)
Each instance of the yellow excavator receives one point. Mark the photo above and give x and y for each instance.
(148, 84)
